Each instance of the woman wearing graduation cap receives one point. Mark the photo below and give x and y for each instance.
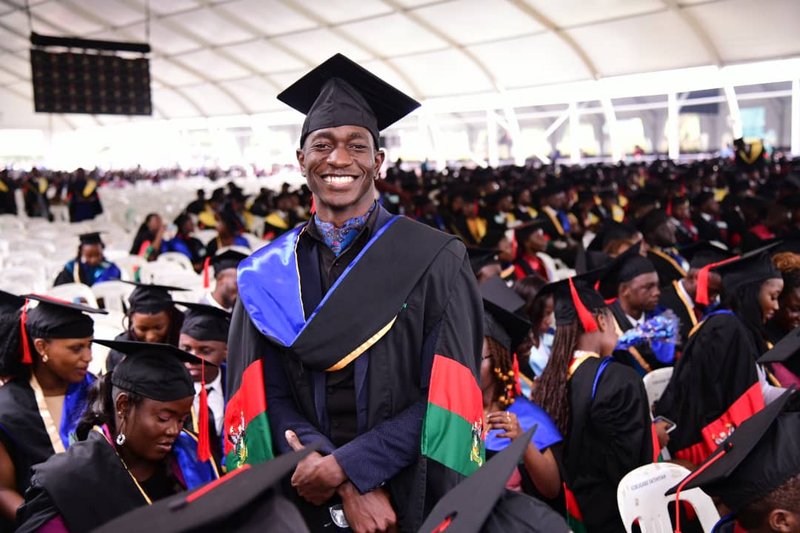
(90, 266)
(229, 232)
(152, 317)
(133, 449)
(717, 384)
(47, 354)
(508, 414)
(600, 406)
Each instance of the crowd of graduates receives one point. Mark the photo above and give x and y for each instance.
(591, 278)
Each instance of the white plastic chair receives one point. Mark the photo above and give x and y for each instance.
(655, 383)
(21, 280)
(177, 258)
(129, 264)
(113, 293)
(640, 497)
(74, 292)
(104, 331)
(204, 235)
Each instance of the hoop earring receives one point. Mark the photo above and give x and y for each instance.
(121, 438)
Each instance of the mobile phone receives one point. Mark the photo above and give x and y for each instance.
(670, 424)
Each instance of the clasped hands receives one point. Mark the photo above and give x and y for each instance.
(317, 478)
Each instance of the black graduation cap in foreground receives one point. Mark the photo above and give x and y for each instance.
(575, 298)
(339, 92)
(702, 253)
(481, 502)
(53, 318)
(761, 455)
(205, 322)
(625, 267)
(10, 303)
(91, 238)
(227, 259)
(153, 370)
(754, 266)
(787, 347)
(243, 501)
(150, 298)
(502, 320)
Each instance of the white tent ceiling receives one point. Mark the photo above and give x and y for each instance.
(230, 57)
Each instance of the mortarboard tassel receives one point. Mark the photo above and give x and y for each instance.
(203, 444)
(313, 205)
(701, 296)
(206, 263)
(26, 347)
(669, 207)
(517, 385)
(727, 447)
(587, 319)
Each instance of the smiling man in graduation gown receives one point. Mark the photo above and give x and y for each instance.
(359, 330)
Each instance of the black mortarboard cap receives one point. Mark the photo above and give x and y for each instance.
(91, 238)
(565, 292)
(785, 349)
(502, 319)
(788, 243)
(243, 501)
(227, 259)
(523, 231)
(760, 456)
(10, 303)
(701, 198)
(609, 231)
(58, 319)
(205, 322)
(702, 253)
(625, 267)
(153, 370)
(753, 267)
(652, 220)
(467, 507)
(339, 92)
(480, 257)
(150, 299)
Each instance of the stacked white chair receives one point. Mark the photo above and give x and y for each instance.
(114, 294)
(75, 293)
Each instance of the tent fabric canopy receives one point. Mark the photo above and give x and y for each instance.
(231, 57)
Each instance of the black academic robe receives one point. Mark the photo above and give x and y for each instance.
(713, 389)
(641, 357)
(672, 299)
(609, 435)
(8, 203)
(707, 230)
(668, 268)
(87, 486)
(439, 314)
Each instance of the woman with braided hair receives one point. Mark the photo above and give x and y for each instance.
(600, 406)
(508, 414)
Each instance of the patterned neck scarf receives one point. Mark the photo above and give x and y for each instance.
(338, 239)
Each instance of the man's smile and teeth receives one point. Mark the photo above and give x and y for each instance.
(338, 179)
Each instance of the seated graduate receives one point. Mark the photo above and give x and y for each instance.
(47, 360)
(633, 281)
(755, 473)
(133, 448)
(531, 241)
(204, 334)
(535, 350)
(152, 317)
(229, 232)
(482, 503)
(690, 298)
(184, 243)
(226, 288)
(787, 318)
(599, 405)
(508, 414)
(659, 233)
(613, 238)
(717, 384)
(149, 240)
(89, 267)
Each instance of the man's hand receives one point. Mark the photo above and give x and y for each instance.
(316, 477)
(368, 513)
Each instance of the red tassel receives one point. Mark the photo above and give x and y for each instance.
(669, 207)
(514, 244)
(701, 294)
(26, 346)
(517, 385)
(313, 205)
(206, 282)
(587, 319)
(203, 444)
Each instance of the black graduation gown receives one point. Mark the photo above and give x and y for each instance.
(641, 357)
(707, 230)
(667, 268)
(441, 315)
(608, 437)
(713, 389)
(87, 486)
(8, 202)
(671, 299)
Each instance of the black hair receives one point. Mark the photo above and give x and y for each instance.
(503, 371)
(528, 288)
(142, 234)
(11, 345)
(743, 301)
(786, 496)
(173, 331)
(100, 406)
